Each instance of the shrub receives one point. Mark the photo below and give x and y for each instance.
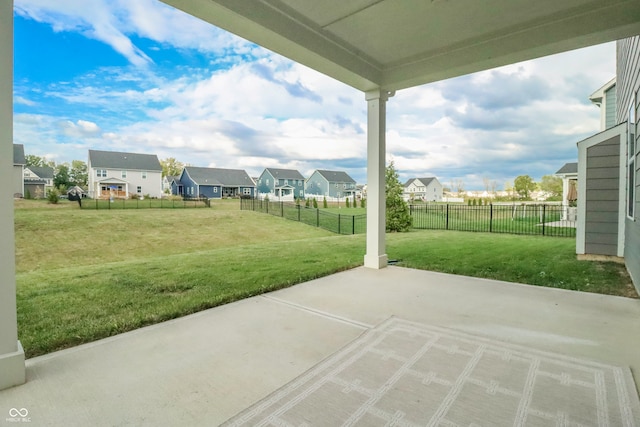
(53, 196)
(324, 202)
(315, 203)
(27, 194)
(307, 203)
(348, 204)
(362, 203)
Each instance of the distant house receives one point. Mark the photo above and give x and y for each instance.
(282, 184)
(37, 180)
(331, 184)
(214, 183)
(425, 189)
(120, 175)
(18, 170)
(166, 183)
(569, 175)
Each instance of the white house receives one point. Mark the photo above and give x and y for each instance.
(120, 175)
(425, 189)
(18, 170)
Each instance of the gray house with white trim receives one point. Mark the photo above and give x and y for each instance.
(282, 184)
(332, 184)
(213, 183)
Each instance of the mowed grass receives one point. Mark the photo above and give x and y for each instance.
(84, 275)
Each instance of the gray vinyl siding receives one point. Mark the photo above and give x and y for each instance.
(610, 102)
(602, 196)
(628, 82)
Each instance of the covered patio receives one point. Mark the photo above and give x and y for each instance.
(207, 367)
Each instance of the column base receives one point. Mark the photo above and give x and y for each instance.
(12, 368)
(376, 261)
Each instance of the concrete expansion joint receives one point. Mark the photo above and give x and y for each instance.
(320, 313)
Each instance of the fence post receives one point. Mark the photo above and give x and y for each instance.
(282, 209)
(490, 217)
(298, 212)
(317, 217)
(543, 214)
(338, 223)
(447, 218)
(353, 224)
(267, 207)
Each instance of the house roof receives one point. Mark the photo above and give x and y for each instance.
(424, 181)
(44, 172)
(217, 176)
(392, 44)
(125, 161)
(336, 176)
(18, 154)
(568, 168)
(285, 173)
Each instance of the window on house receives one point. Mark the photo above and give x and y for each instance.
(124, 174)
(101, 173)
(286, 182)
(215, 189)
(246, 191)
(139, 189)
(144, 175)
(631, 157)
(299, 183)
(267, 181)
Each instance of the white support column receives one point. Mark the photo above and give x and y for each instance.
(375, 256)
(12, 370)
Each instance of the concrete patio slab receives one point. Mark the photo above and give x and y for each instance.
(204, 368)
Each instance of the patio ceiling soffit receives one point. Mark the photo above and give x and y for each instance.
(396, 44)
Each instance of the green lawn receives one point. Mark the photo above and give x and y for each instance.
(83, 275)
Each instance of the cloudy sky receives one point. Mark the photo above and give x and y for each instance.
(140, 76)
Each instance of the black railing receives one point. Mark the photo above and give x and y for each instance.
(545, 220)
(147, 203)
(337, 223)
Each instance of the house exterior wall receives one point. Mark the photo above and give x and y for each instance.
(151, 185)
(267, 183)
(317, 185)
(602, 198)
(430, 193)
(18, 180)
(209, 191)
(189, 187)
(610, 108)
(628, 82)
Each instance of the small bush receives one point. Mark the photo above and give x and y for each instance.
(27, 194)
(315, 203)
(362, 203)
(348, 204)
(324, 202)
(307, 203)
(53, 196)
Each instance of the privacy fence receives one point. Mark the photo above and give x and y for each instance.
(544, 220)
(145, 203)
(337, 223)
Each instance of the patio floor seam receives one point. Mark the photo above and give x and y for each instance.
(320, 313)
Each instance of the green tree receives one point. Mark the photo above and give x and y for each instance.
(78, 173)
(552, 185)
(347, 202)
(38, 161)
(524, 185)
(398, 217)
(324, 202)
(315, 203)
(171, 167)
(61, 176)
(362, 202)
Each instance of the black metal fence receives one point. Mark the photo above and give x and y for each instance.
(545, 220)
(145, 203)
(337, 223)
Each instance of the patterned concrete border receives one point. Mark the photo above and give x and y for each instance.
(408, 374)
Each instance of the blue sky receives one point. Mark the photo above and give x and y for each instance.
(140, 76)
